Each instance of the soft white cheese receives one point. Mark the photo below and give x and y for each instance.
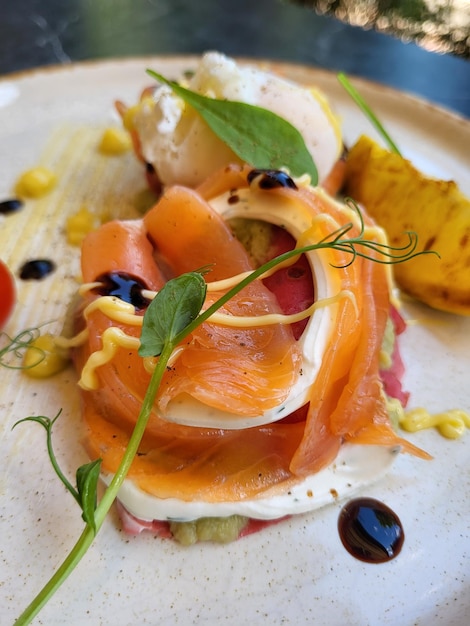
(354, 467)
(183, 149)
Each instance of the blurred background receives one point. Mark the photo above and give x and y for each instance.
(43, 32)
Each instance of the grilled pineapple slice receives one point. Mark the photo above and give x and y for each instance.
(401, 199)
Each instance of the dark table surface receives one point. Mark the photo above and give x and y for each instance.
(35, 33)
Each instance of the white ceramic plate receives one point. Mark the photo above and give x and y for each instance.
(296, 572)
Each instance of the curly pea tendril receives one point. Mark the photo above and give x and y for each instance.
(173, 314)
(12, 354)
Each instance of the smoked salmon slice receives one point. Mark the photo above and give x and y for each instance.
(242, 369)
(255, 366)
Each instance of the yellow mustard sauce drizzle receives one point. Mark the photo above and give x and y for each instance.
(279, 318)
(451, 424)
(119, 311)
(112, 339)
(72, 342)
(115, 309)
(150, 362)
(371, 233)
(227, 283)
(303, 181)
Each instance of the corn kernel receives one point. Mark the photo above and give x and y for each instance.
(79, 225)
(114, 141)
(35, 183)
(43, 358)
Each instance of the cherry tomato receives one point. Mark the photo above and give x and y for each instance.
(7, 294)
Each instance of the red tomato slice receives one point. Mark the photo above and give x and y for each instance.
(7, 294)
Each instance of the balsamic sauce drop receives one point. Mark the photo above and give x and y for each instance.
(123, 286)
(36, 269)
(10, 206)
(270, 179)
(370, 530)
(153, 179)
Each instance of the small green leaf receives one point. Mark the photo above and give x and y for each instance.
(173, 323)
(87, 477)
(173, 308)
(258, 136)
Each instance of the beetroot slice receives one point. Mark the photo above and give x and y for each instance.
(293, 288)
(392, 376)
(293, 285)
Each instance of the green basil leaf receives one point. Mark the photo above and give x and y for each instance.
(87, 477)
(173, 308)
(258, 136)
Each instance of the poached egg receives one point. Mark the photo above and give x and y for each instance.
(182, 148)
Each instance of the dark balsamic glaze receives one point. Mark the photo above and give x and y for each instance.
(123, 286)
(10, 206)
(370, 530)
(270, 179)
(36, 269)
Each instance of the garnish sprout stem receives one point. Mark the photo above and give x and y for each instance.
(88, 535)
(365, 108)
(181, 320)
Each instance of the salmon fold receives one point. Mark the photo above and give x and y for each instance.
(232, 368)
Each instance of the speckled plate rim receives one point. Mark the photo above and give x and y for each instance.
(296, 572)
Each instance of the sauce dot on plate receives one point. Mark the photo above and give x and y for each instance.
(36, 269)
(370, 530)
(10, 206)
